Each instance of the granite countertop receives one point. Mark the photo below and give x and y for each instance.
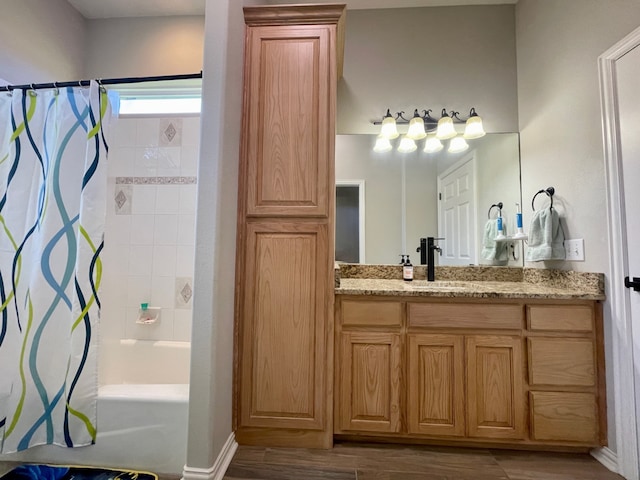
(461, 289)
(471, 282)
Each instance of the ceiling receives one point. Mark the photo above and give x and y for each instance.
(153, 8)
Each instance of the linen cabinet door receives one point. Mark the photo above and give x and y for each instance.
(369, 382)
(283, 335)
(495, 398)
(289, 123)
(435, 382)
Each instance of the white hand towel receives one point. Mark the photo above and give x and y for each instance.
(546, 237)
(493, 250)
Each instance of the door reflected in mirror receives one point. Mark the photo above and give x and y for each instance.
(408, 196)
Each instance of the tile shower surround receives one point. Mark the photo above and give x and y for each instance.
(150, 227)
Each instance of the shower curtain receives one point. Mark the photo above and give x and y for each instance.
(52, 210)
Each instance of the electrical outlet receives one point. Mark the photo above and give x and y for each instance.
(574, 250)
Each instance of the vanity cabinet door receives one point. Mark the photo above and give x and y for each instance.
(495, 398)
(435, 383)
(369, 380)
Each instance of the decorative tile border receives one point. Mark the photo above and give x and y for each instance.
(156, 180)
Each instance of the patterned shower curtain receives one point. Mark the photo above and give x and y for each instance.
(52, 210)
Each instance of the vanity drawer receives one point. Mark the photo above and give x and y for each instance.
(561, 361)
(469, 315)
(560, 318)
(356, 313)
(564, 417)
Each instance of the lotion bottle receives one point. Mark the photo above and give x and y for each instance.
(407, 270)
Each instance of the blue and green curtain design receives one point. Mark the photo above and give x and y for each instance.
(52, 211)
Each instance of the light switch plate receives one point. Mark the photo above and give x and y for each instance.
(574, 250)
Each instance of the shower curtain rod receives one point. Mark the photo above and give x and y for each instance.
(101, 81)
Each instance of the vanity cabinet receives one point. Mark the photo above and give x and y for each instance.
(285, 247)
(471, 371)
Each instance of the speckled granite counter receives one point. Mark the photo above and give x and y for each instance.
(473, 282)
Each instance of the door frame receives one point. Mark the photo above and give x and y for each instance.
(361, 212)
(623, 376)
(469, 157)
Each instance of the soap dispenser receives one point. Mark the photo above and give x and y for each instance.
(407, 270)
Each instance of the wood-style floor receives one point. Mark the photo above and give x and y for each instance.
(390, 462)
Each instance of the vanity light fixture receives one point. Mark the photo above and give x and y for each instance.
(389, 129)
(407, 145)
(458, 145)
(420, 125)
(416, 127)
(446, 130)
(382, 144)
(432, 145)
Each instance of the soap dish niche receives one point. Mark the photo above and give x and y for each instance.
(148, 316)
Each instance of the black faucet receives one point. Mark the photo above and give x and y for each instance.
(422, 249)
(431, 247)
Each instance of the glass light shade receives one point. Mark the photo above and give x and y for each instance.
(382, 144)
(445, 128)
(474, 128)
(389, 129)
(432, 145)
(416, 129)
(407, 145)
(458, 145)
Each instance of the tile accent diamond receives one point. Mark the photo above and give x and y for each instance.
(184, 292)
(170, 132)
(123, 199)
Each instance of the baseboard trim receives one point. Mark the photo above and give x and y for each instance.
(606, 457)
(219, 468)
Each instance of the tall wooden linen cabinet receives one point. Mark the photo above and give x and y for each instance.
(285, 249)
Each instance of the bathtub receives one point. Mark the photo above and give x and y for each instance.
(141, 426)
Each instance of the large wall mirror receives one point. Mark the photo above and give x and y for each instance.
(387, 201)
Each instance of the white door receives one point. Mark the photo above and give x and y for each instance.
(619, 69)
(628, 70)
(456, 214)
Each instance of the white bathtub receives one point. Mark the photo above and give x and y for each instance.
(141, 426)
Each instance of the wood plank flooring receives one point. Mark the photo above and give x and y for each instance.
(399, 462)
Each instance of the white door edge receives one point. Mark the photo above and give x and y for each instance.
(623, 376)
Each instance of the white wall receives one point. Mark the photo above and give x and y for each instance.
(558, 43)
(559, 108)
(41, 41)
(407, 58)
(210, 408)
(122, 47)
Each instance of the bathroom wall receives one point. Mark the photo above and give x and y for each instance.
(406, 58)
(150, 227)
(559, 108)
(121, 47)
(560, 124)
(41, 41)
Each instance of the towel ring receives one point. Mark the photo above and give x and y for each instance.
(499, 205)
(549, 191)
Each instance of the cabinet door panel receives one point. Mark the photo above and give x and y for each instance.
(562, 361)
(285, 312)
(369, 382)
(288, 149)
(436, 385)
(564, 416)
(495, 394)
